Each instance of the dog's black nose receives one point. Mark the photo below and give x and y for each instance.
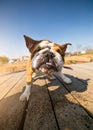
(50, 55)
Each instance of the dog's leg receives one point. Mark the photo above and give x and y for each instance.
(65, 78)
(26, 93)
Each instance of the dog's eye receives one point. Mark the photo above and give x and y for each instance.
(58, 50)
(38, 49)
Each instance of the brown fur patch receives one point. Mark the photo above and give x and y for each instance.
(59, 50)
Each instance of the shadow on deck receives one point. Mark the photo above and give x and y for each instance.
(53, 105)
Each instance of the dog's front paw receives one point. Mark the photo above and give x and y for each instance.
(67, 80)
(24, 96)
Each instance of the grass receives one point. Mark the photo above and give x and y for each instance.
(82, 58)
(12, 67)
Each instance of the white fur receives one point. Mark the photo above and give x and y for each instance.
(42, 45)
(37, 56)
(58, 59)
(26, 93)
(65, 79)
(46, 44)
(44, 50)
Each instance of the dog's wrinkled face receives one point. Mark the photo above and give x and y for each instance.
(46, 56)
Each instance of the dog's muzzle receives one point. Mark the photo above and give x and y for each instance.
(46, 63)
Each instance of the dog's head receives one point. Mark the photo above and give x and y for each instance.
(46, 56)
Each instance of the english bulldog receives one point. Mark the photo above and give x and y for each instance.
(47, 58)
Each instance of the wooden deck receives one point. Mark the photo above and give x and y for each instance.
(53, 105)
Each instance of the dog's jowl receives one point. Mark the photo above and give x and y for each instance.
(46, 58)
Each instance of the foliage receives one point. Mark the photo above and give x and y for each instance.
(3, 59)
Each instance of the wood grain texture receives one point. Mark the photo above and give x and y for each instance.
(69, 113)
(53, 105)
(82, 85)
(11, 109)
(40, 115)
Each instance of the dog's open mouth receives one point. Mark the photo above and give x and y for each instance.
(48, 68)
(46, 64)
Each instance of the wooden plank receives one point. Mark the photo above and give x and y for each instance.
(83, 92)
(11, 109)
(9, 84)
(84, 70)
(70, 115)
(40, 115)
(5, 77)
(85, 66)
(85, 75)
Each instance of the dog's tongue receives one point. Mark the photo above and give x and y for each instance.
(46, 71)
(47, 68)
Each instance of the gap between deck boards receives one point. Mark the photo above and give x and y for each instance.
(53, 105)
(63, 106)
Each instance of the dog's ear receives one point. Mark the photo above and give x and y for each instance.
(64, 47)
(30, 43)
